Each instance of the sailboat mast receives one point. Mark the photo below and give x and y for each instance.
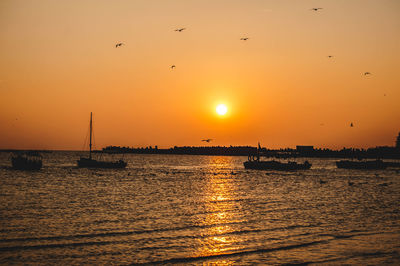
(90, 143)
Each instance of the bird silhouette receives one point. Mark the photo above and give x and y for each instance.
(367, 73)
(330, 56)
(207, 140)
(118, 44)
(180, 29)
(316, 8)
(244, 39)
(173, 66)
(351, 124)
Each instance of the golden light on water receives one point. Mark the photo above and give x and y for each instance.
(221, 109)
(221, 205)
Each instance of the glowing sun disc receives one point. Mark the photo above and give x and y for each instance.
(221, 109)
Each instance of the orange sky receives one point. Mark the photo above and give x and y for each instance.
(59, 63)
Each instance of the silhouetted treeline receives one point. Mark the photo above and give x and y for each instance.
(301, 151)
(190, 150)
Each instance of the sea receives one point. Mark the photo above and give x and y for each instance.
(197, 210)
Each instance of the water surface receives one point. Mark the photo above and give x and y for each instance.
(197, 210)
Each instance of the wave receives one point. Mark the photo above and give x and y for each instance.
(342, 260)
(351, 234)
(111, 234)
(233, 254)
(63, 245)
(150, 231)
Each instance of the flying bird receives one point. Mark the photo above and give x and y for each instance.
(118, 44)
(207, 140)
(330, 56)
(367, 73)
(316, 8)
(351, 124)
(173, 66)
(244, 39)
(180, 29)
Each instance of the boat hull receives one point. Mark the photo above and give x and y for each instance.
(393, 164)
(363, 165)
(23, 163)
(90, 163)
(275, 165)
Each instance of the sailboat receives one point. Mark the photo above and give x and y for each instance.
(92, 163)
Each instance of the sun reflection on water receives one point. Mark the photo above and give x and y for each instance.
(221, 205)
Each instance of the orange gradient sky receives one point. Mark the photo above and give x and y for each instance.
(59, 63)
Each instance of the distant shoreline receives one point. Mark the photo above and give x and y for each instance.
(299, 152)
(385, 152)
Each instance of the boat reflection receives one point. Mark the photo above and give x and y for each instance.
(222, 208)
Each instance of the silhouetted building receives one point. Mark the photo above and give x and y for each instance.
(303, 149)
(398, 141)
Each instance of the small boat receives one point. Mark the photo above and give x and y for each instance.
(29, 160)
(92, 163)
(255, 163)
(362, 165)
(276, 165)
(393, 164)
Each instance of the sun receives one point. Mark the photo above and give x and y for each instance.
(221, 109)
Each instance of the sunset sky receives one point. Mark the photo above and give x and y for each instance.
(58, 63)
